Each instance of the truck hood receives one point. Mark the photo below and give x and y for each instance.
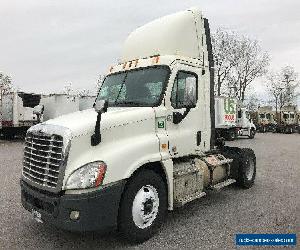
(83, 122)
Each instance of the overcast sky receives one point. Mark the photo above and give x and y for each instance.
(45, 44)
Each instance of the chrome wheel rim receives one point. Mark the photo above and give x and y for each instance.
(145, 206)
(250, 170)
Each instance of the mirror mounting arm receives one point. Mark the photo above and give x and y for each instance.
(96, 137)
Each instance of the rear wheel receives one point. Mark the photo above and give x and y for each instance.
(143, 206)
(231, 135)
(247, 168)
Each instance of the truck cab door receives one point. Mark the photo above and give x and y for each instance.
(185, 120)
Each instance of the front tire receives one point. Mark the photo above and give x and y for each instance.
(143, 206)
(252, 134)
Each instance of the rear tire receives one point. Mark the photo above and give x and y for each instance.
(247, 168)
(243, 167)
(143, 206)
(231, 135)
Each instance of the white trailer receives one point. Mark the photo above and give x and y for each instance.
(148, 145)
(18, 112)
(86, 102)
(231, 120)
(56, 105)
(226, 117)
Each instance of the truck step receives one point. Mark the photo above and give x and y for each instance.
(189, 198)
(220, 185)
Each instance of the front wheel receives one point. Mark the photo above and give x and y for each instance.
(252, 133)
(143, 206)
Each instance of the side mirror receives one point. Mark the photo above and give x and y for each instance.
(177, 117)
(100, 106)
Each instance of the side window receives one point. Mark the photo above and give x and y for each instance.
(184, 92)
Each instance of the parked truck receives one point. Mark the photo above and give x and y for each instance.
(231, 119)
(266, 119)
(245, 125)
(18, 113)
(148, 145)
(287, 120)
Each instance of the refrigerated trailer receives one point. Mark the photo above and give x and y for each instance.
(17, 112)
(59, 104)
(148, 145)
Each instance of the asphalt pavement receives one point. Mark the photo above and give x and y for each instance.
(270, 206)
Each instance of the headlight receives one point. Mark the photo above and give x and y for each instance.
(88, 176)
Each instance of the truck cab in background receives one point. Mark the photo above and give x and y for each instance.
(245, 124)
(148, 145)
(266, 121)
(287, 121)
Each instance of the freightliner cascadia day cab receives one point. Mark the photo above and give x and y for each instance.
(148, 145)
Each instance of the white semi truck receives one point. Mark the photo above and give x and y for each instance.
(231, 119)
(148, 145)
(287, 121)
(266, 119)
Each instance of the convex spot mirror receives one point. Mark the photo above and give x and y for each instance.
(101, 106)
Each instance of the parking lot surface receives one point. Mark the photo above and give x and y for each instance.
(270, 206)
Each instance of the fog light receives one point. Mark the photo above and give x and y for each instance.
(74, 215)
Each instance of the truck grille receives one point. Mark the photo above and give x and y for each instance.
(43, 156)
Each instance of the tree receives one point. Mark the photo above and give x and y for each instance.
(5, 84)
(68, 89)
(282, 87)
(83, 92)
(253, 102)
(225, 44)
(252, 63)
(290, 80)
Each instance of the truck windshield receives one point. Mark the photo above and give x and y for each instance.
(262, 115)
(141, 87)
